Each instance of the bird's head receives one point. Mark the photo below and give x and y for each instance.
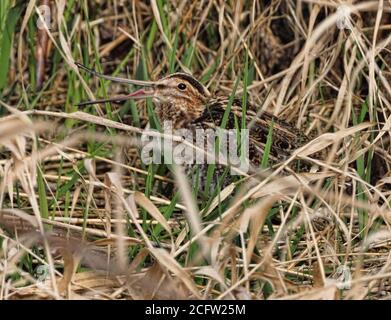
(180, 96)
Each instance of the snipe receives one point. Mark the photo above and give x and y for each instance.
(185, 102)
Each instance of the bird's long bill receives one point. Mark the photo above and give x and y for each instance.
(139, 94)
(115, 79)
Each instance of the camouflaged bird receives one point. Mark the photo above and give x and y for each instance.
(185, 102)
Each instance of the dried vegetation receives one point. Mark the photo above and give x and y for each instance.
(83, 218)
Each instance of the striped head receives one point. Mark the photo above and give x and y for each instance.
(180, 98)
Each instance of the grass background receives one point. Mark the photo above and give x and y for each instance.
(82, 217)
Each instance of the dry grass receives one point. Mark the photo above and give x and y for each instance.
(83, 218)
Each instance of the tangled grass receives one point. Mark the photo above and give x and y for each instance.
(81, 217)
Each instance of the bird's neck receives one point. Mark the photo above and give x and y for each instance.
(180, 115)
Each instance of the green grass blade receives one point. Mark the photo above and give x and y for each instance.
(6, 41)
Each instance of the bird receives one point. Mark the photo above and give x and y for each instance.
(187, 104)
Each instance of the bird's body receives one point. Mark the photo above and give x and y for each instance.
(285, 137)
(186, 104)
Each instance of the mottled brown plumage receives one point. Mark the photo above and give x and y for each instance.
(285, 137)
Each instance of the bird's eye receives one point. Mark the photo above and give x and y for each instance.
(181, 86)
